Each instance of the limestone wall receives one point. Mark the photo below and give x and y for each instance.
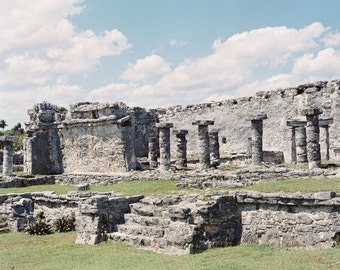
(230, 117)
(290, 220)
(107, 137)
(190, 223)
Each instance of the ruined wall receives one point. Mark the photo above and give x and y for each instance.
(97, 138)
(42, 149)
(90, 137)
(290, 220)
(280, 105)
(42, 152)
(187, 224)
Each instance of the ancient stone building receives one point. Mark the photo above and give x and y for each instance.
(108, 138)
(280, 105)
(90, 137)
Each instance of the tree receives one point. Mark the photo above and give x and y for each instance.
(3, 124)
(17, 130)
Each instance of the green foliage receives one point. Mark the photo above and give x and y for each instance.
(39, 226)
(3, 124)
(65, 223)
(16, 131)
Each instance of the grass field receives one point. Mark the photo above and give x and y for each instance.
(130, 188)
(58, 251)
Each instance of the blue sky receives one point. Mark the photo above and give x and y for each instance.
(153, 53)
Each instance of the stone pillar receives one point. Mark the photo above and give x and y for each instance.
(181, 160)
(203, 143)
(256, 135)
(164, 145)
(293, 145)
(8, 155)
(313, 136)
(153, 147)
(214, 148)
(301, 145)
(324, 126)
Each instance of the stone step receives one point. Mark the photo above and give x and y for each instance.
(159, 245)
(138, 240)
(149, 231)
(146, 220)
(147, 210)
(161, 200)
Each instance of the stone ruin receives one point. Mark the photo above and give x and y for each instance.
(96, 143)
(287, 125)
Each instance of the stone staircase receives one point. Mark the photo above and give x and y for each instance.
(162, 224)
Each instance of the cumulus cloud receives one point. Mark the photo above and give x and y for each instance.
(283, 57)
(41, 50)
(39, 44)
(42, 58)
(146, 68)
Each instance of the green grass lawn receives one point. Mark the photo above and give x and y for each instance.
(127, 188)
(58, 251)
(131, 188)
(305, 185)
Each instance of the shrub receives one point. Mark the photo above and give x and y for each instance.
(39, 226)
(65, 223)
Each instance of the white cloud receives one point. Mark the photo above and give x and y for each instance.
(146, 68)
(40, 47)
(285, 57)
(40, 43)
(41, 58)
(326, 65)
(177, 43)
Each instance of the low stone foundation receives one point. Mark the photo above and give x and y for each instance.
(16, 182)
(185, 224)
(198, 179)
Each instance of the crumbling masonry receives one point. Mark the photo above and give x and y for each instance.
(111, 137)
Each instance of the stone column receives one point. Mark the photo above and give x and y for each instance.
(301, 145)
(293, 145)
(324, 125)
(153, 146)
(256, 136)
(214, 148)
(203, 143)
(7, 168)
(181, 160)
(313, 136)
(164, 145)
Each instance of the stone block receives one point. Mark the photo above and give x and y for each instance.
(203, 122)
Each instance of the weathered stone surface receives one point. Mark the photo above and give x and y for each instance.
(214, 148)
(313, 138)
(153, 146)
(164, 145)
(203, 143)
(187, 224)
(94, 137)
(181, 153)
(256, 137)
